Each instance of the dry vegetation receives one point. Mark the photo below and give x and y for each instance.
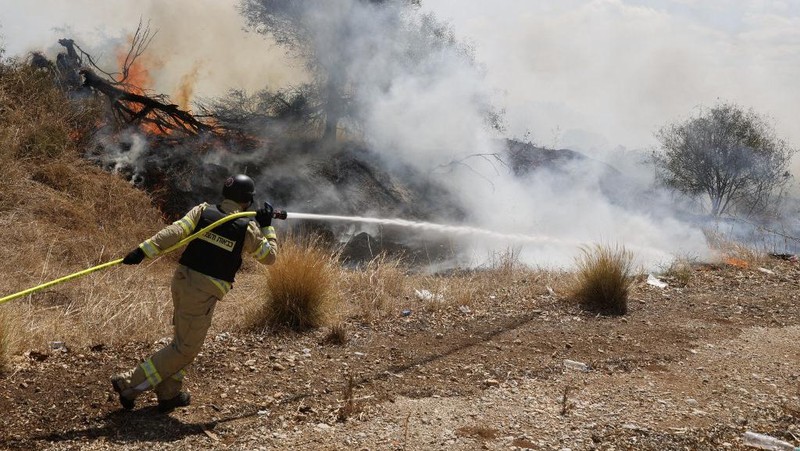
(63, 215)
(299, 289)
(603, 279)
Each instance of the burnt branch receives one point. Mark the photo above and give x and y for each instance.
(132, 108)
(140, 40)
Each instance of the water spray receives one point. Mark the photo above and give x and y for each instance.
(466, 230)
(449, 229)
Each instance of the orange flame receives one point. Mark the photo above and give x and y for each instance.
(138, 80)
(186, 88)
(737, 262)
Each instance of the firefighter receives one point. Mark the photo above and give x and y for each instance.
(204, 275)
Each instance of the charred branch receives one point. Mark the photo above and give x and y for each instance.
(132, 108)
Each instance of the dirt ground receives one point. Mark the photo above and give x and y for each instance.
(688, 368)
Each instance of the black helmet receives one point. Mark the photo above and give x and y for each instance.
(239, 188)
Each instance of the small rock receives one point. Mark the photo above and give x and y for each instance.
(57, 345)
(491, 382)
(278, 367)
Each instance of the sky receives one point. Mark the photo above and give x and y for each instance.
(611, 72)
(582, 74)
(597, 76)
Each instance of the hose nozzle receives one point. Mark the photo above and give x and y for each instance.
(279, 214)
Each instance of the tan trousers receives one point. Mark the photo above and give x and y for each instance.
(193, 299)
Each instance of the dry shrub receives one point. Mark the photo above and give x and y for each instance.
(680, 271)
(300, 290)
(349, 407)
(505, 264)
(337, 335)
(469, 287)
(603, 279)
(732, 252)
(375, 290)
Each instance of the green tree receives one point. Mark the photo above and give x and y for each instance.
(728, 154)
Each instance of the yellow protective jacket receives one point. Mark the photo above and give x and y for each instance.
(260, 243)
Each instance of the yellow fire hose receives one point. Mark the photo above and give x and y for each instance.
(119, 260)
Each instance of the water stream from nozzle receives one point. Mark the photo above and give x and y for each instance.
(442, 228)
(464, 231)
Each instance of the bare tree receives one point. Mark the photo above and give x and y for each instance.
(728, 154)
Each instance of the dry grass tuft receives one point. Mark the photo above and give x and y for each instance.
(603, 279)
(505, 265)
(377, 289)
(349, 408)
(734, 253)
(337, 335)
(679, 272)
(300, 291)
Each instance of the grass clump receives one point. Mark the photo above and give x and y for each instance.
(377, 289)
(337, 335)
(603, 279)
(680, 272)
(300, 291)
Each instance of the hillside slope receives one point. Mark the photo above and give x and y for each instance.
(59, 213)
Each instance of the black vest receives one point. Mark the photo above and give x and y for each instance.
(218, 252)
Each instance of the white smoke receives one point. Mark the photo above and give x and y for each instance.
(592, 74)
(200, 39)
(424, 103)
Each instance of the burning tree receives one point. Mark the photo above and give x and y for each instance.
(731, 155)
(75, 69)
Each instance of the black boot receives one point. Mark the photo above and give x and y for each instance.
(182, 399)
(127, 403)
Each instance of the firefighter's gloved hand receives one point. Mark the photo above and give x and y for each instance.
(134, 257)
(264, 215)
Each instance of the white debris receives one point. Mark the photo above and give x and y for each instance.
(654, 281)
(575, 365)
(425, 295)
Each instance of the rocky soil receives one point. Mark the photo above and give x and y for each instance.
(688, 368)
